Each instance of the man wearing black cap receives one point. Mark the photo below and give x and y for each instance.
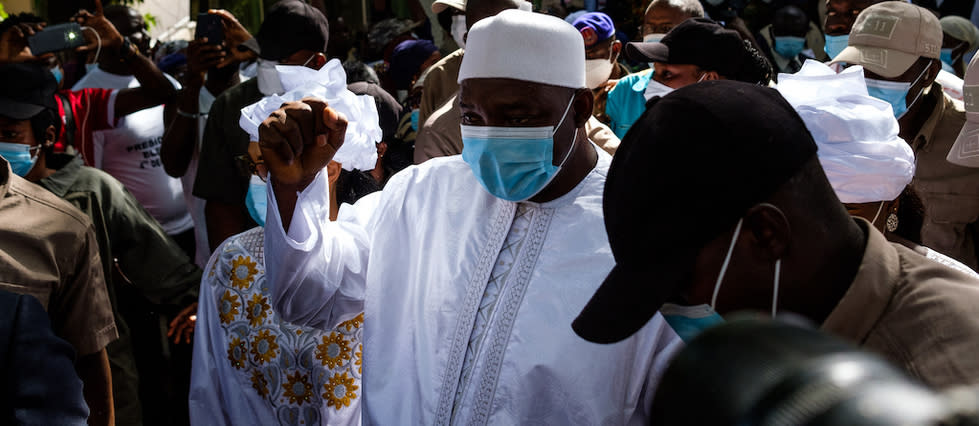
(761, 214)
(696, 50)
(293, 33)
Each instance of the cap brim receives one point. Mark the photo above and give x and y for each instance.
(888, 63)
(647, 52)
(626, 300)
(19, 110)
(250, 44)
(439, 6)
(965, 150)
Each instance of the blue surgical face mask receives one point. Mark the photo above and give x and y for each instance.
(20, 157)
(513, 163)
(836, 44)
(947, 56)
(414, 119)
(788, 46)
(257, 200)
(57, 74)
(894, 93)
(91, 67)
(689, 321)
(653, 38)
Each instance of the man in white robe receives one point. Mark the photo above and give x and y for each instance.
(469, 268)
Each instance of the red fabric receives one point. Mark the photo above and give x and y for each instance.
(90, 109)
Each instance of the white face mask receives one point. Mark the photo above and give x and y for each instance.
(268, 78)
(656, 88)
(653, 38)
(458, 30)
(597, 72)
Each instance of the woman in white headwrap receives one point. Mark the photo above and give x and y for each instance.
(868, 164)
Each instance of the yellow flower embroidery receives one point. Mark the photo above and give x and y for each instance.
(340, 390)
(360, 358)
(353, 324)
(258, 310)
(243, 272)
(297, 388)
(334, 350)
(264, 347)
(260, 383)
(237, 353)
(228, 307)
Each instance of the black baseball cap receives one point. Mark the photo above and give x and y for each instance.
(696, 41)
(289, 26)
(28, 90)
(687, 171)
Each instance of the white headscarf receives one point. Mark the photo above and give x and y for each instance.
(857, 134)
(330, 84)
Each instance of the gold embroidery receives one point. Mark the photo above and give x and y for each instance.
(260, 383)
(298, 389)
(243, 272)
(264, 347)
(258, 310)
(334, 350)
(353, 323)
(237, 353)
(360, 358)
(340, 390)
(228, 307)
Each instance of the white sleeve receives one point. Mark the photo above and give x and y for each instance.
(317, 271)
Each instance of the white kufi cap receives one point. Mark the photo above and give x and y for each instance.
(856, 134)
(525, 46)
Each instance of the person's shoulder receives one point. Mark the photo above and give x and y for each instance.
(927, 280)
(243, 94)
(452, 60)
(61, 212)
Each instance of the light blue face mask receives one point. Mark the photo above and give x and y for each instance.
(513, 163)
(57, 74)
(414, 119)
(836, 44)
(90, 67)
(894, 93)
(257, 200)
(788, 46)
(689, 321)
(947, 56)
(19, 156)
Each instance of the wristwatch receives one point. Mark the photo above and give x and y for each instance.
(127, 51)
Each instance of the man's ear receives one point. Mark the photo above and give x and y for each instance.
(616, 50)
(584, 101)
(50, 136)
(769, 230)
(318, 61)
(712, 75)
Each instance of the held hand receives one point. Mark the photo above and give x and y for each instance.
(183, 324)
(13, 43)
(201, 57)
(234, 35)
(299, 139)
(109, 36)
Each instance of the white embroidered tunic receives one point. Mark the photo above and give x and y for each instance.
(467, 311)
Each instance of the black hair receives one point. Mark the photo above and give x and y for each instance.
(757, 69)
(41, 122)
(19, 18)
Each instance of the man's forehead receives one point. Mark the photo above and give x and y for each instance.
(481, 91)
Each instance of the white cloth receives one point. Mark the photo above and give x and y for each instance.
(857, 134)
(195, 206)
(252, 368)
(539, 48)
(359, 149)
(951, 84)
(418, 256)
(131, 153)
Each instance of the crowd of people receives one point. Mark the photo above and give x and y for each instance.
(524, 230)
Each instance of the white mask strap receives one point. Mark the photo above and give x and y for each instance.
(727, 260)
(778, 271)
(878, 213)
(920, 92)
(563, 116)
(310, 59)
(702, 77)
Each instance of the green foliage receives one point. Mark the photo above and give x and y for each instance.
(3, 13)
(150, 20)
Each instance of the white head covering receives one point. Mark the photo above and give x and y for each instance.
(330, 84)
(857, 135)
(525, 46)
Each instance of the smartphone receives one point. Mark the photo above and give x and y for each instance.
(56, 38)
(210, 26)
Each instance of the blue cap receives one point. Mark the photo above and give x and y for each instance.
(597, 22)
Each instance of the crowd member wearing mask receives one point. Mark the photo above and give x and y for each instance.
(869, 166)
(441, 136)
(130, 150)
(211, 69)
(662, 15)
(520, 248)
(777, 240)
(601, 57)
(144, 269)
(441, 84)
(49, 248)
(840, 16)
(696, 50)
(293, 34)
(910, 37)
(959, 38)
(410, 62)
(784, 41)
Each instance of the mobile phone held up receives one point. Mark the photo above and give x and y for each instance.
(210, 26)
(55, 38)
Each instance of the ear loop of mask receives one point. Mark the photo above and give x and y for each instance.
(727, 261)
(98, 48)
(310, 59)
(879, 209)
(778, 273)
(920, 92)
(702, 77)
(573, 141)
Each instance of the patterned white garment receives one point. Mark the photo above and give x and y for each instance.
(250, 367)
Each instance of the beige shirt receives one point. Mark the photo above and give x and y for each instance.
(48, 250)
(950, 193)
(440, 84)
(917, 313)
(441, 136)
